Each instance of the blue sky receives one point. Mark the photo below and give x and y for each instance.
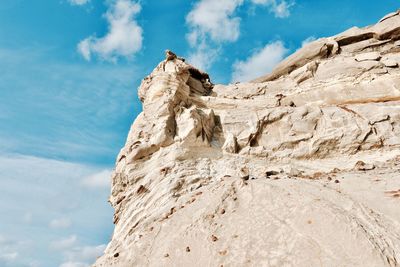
(69, 72)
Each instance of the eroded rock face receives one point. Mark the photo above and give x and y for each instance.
(297, 168)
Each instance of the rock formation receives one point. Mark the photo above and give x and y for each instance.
(297, 168)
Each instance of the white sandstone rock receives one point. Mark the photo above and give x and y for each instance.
(371, 56)
(390, 63)
(297, 168)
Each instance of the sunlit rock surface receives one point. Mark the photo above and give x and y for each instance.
(297, 168)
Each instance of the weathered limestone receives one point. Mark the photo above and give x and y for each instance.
(297, 168)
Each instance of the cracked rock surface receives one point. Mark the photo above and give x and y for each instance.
(300, 167)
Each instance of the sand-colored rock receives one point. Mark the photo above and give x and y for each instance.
(297, 168)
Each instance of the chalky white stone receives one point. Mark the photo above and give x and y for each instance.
(300, 167)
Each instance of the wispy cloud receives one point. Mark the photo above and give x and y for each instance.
(11, 253)
(85, 253)
(76, 255)
(203, 56)
(101, 179)
(281, 9)
(60, 223)
(78, 2)
(28, 217)
(64, 243)
(52, 192)
(79, 256)
(8, 257)
(124, 37)
(308, 40)
(260, 62)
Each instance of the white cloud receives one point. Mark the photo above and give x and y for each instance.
(214, 18)
(100, 179)
(85, 253)
(211, 23)
(78, 2)
(65, 243)
(124, 37)
(85, 47)
(281, 9)
(260, 62)
(203, 56)
(308, 40)
(60, 223)
(217, 19)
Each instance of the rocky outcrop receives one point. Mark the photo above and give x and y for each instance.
(297, 168)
